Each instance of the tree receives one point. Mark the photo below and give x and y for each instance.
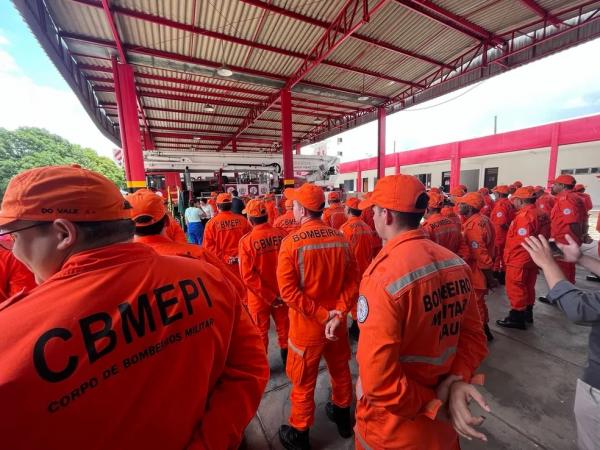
(26, 148)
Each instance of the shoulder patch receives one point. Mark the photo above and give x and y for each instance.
(362, 309)
(567, 211)
(499, 214)
(474, 244)
(522, 232)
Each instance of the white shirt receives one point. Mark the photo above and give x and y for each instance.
(193, 214)
(207, 210)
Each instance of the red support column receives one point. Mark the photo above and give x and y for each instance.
(553, 154)
(455, 165)
(129, 126)
(286, 138)
(380, 142)
(397, 172)
(298, 149)
(358, 179)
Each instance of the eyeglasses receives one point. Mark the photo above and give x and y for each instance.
(11, 232)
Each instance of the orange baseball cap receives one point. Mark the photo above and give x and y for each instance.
(224, 197)
(146, 203)
(539, 189)
(289, 204)
(502, 189)
(474, 199)
(308, 195)
(436, 200)
(333, 196)
(579, 187)
(524, 192)
(484, 191)
(517, 184)
(565, 179)
(458, 191)
(255, 208)
(62, 192)
(353, 203)
(396, 192)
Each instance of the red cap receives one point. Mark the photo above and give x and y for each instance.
(436, 200)
(62, 192)
(224, 198)
(396, 192)
(565, 179)
(308, 195)
(484, 191)
(458, 191)
(524, 192)
(579, 187)
(502, 189)
(255, 208)
(333, 196)
(146, 203)
(353, 203)
(517, 184)
(473, 199)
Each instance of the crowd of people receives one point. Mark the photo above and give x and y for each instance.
(135, 336)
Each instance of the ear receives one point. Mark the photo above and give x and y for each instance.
(66, 233)
(389, 218)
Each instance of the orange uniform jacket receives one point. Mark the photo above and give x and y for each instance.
(489, 205)
(444, 231)
(479, 239)
(123, 349)
(313, 252)
(258, 252)
(360, 236)
(335, 216)
(14, 276)
(545, 203)
(286, 222)
(529, 221)
(449, 211)
(568, 209)
(501, 217)
(222, 236)
(174, 231)
(587, 201)
(367, 217)
(271, 211)
(419, 323)
(213, 204)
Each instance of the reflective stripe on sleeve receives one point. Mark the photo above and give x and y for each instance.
(322, 246)
(433, 360)
(295, 349)
(396, 286)
(361, 441)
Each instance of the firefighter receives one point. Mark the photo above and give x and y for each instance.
(440, 229)
(116, 330)
(14, 276)
(421, 337)
(478, 233)
(212, 201)
(174, 230)
(223, 233)
(579, 189)
(489, 203)
(318, 280)
(521, 271)
(545, 200)
(501, 217)
(271, 208)
(258, 266)
(334, 216)
(286, 222)
(367, 217)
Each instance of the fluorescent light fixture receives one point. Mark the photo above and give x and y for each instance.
(224, 71)
(317, 120)
(363, 98)
(209, 108)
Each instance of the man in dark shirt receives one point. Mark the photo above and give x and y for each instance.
(579, 306)
(237, 204)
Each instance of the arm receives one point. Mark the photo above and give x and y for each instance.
(209, 242)
(349, 293)
(251, 277)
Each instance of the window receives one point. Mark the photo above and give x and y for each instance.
(566, 172)
(365, 185)
(595, 170)
(425, 178)
(349, 185)
(580, 171)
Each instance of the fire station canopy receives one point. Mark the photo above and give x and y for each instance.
(209, 73)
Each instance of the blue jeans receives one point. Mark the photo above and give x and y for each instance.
(195, 232)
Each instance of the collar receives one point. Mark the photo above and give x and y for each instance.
(262, 226)
(313, 223)
(404, 237)
(472, 218)
(152, 239)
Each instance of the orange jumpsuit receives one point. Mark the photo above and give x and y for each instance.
(367, 217)
(124, 348)
(444, 231)
(335, 216)
(450, 212)
(418, 323)
(222, 236)
(271, 210)
(316, 273)
(489, 205)
(479, 238)
(258, 266)
(501, 217)
(546, 202)
(567, 210)
(286, 222)
(14, 276)
(521, 271)
(174, 230)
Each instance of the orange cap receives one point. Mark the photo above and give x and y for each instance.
(502, 189)
(333, 196)
(473, 199)
(146, 203)
(565, 179)
(308, 195)
(435, 189)
(289, 204)
(352, 202)
(436, 200)
(225, 197)
(213, 194)
(62, 192)
(458, 191)
(579, 187)
(396, 192)
(524, 192)
(255, 208)
(484, 191)
(517, 184)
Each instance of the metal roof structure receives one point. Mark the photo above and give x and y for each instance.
(343, 60)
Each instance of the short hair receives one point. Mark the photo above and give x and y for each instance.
(412, 220)
(334, 201)
(354, 212)
(529, 201)
(259, 220)
(106, 232)
(314, 214)
(234, 192)
(224, 206)
(501, 195)
(437, 210)
(150, 230)
(203, 200)
(570, 187)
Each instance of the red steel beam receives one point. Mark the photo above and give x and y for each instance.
(533, 6)
(208, 137)
(199, 133)
(211, 124)
(322, 24)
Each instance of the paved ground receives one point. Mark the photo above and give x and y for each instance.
(530, 385)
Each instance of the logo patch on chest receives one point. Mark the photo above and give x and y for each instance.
(362, 309)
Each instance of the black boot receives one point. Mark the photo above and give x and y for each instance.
(593, 277)
(529, 314)
(293, 439)
(283, 352)
(341, 417)
(545, 300)
(515, 319)
(488, 333)
(502, 278)
(354, 331)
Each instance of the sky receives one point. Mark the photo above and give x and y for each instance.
(555, 88)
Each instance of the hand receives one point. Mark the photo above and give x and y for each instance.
(333, 313)
(443, 389)
(463, 422)
(571, 251)
(331, 327)
(539, 250)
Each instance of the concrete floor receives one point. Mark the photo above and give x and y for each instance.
(530, 386)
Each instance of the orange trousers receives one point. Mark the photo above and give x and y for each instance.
(261, 316)
(520, 286)
(481, 306)
(498, 255)
(302, 370)
(568, 269)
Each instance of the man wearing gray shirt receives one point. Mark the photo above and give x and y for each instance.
(579, 306)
